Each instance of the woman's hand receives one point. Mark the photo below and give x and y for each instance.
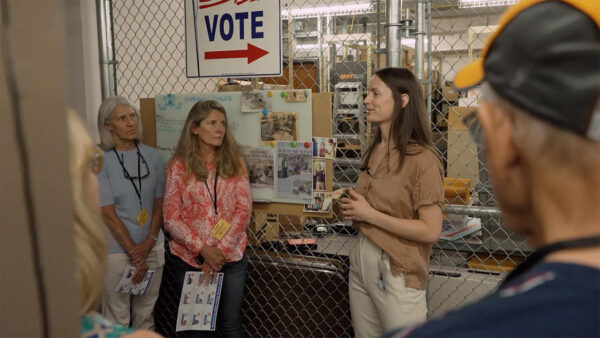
(140, 252)
(356, 207)
(208, 274)
(140, 272)
(213, 257)
(213, 263)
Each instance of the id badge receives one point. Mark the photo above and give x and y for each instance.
(142, 217)
(220, 229)
(381, 274)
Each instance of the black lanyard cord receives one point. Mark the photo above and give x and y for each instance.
(539, 254)
(121, 162)
(214, 200)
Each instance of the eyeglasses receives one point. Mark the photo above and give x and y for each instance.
(143, 174)
(474, 128)
(96, 160)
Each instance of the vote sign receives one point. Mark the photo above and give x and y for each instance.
(233, 38)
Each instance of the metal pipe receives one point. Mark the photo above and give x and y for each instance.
(378, 33)
(105, 47)
(420, 26)
(407, 23)
(393, 35)
(472, 211)
(321, 62)
(330, 23)
(290, 52)
(429, 63)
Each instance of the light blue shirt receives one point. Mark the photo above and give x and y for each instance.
(115, 189)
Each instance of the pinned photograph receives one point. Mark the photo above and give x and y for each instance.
(295, 96)
(279, 127)
(293, 164)
(302, 188)
(324, 147)
(254, 102)
(322, 203)
(319, 174)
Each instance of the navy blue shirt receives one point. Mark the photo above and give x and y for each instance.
(550, 300)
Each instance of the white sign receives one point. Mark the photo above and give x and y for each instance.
(233, 38)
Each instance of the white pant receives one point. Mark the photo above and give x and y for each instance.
(375, 311)
(122, 308)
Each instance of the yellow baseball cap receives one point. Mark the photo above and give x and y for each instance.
(472, 74)
(545, 59)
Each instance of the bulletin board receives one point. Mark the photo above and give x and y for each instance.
(172, 110)
(319, 116)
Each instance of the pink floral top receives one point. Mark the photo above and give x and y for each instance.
(190, 215)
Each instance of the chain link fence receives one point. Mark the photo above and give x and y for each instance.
(335, 46)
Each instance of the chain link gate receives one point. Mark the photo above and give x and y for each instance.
(329, 44)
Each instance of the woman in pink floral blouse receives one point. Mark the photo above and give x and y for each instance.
(207, 207)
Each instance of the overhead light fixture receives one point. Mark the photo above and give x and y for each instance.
(359, 8)
(485, 3)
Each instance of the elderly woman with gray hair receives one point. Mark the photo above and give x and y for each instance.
(131, 185)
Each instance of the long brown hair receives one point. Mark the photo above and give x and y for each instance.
(409, 124)
(228, 155)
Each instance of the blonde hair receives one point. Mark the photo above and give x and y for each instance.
(89, 231)
(228, 155)
(105, 114)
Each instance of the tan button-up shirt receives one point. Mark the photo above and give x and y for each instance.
(400, 194)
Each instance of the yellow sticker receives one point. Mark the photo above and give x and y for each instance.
(220, 229)
(142, 217)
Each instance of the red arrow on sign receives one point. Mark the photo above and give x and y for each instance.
(253, 53)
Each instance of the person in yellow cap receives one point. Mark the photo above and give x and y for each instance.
(539, 122)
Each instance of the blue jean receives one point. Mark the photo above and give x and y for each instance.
(229, 316)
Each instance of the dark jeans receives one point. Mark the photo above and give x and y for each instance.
(229, 315)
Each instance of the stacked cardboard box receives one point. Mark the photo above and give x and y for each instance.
(463, 161)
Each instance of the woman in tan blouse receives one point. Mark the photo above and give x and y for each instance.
(396, 206)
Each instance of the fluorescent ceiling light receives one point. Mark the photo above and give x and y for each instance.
(359, 8)
(485, 3)
(307, 46)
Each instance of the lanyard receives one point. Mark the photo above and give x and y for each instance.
(214, 200)
(537, 256)
(137, 192)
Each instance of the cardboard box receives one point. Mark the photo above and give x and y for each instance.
(457, 190)
(462, 157)
(263, 228)
(455, 117)
(450, 93)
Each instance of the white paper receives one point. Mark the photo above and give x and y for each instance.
(199, 303)
(260, 167)
(293, 166)
(126, 285)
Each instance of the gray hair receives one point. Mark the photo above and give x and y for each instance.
(545, 144)
(105, 114)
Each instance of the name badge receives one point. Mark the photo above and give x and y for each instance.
(142, 217)
(220, 229)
